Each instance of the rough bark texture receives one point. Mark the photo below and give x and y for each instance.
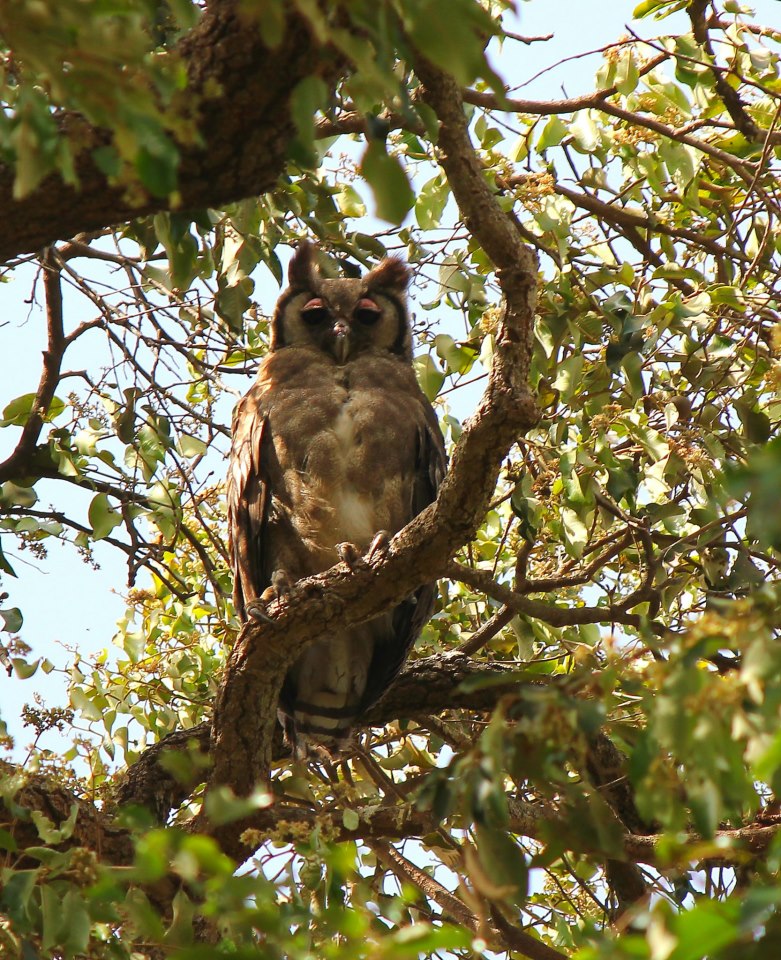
(426, 686)
(98, 831)
(242, 90)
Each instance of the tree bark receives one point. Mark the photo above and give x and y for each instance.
(242, 92)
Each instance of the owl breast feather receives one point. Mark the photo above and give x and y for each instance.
(345, 451)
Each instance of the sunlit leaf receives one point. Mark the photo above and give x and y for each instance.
(393, 195)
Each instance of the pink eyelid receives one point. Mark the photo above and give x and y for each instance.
(366, 304)
(315, 304)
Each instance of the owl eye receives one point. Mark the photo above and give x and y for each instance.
(314, 311)
(367, 312)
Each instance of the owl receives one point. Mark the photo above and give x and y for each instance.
(334, 444)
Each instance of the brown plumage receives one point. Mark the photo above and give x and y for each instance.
(334, 443)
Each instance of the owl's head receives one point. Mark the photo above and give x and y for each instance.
(343, 318)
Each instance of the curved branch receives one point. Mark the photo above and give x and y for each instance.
(555, 616)
(242, 743)
(625, 219)
(546, 108)
(96, 829)
(729, 95)
(426, 686)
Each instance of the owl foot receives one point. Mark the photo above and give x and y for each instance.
(257, 610)
(350, 554)
(281, 584)
(379, 544)
(280, 587)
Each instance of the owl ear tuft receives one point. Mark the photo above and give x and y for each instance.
(391, 274)
(303, 272)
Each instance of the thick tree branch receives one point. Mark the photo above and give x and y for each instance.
(539, 822)
(242, 91)
(744, 169)
(93, 828)
(545, 108)
(426, 686)
(243, 734)
(97, 830)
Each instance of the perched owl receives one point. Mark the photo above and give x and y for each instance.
(334, 444)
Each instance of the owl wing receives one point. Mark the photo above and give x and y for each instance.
(410, 616)
(248, 499)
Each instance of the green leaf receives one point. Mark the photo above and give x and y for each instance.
(430, 377)
(759, 482)
(627, 75)
(15, 895)
(157, 173)
(52, 915)
(575, 532)
(191, 446)
(18, 411)
(47, 830)
(502, 860)
(423, 940)
(77, 923)
(12, 619)
(81, 702)
(234, 301)
(569, 376)
(459, 359)
(705, 930)
(125, 420)
(660, 8)
(431, 202)
(452, 33)
(350, 202)
(393, 195)
(350, 819)
(222, 806)
(307, 98)
(756, 424)
(554, 131)
(18, 496)
(7, 841)
(271, 24)
(23, 669)
(102, 517)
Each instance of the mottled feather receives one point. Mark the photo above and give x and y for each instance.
(334, 442)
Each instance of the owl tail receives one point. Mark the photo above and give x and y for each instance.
(324, 692)
(317, 728)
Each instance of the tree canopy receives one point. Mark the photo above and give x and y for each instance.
(582, 757)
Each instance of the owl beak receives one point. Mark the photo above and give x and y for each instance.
(341, 332)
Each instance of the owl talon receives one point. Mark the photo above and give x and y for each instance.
(349, 554)
(281, 584)
(257, 610)
(379, 544)
(280, 587)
